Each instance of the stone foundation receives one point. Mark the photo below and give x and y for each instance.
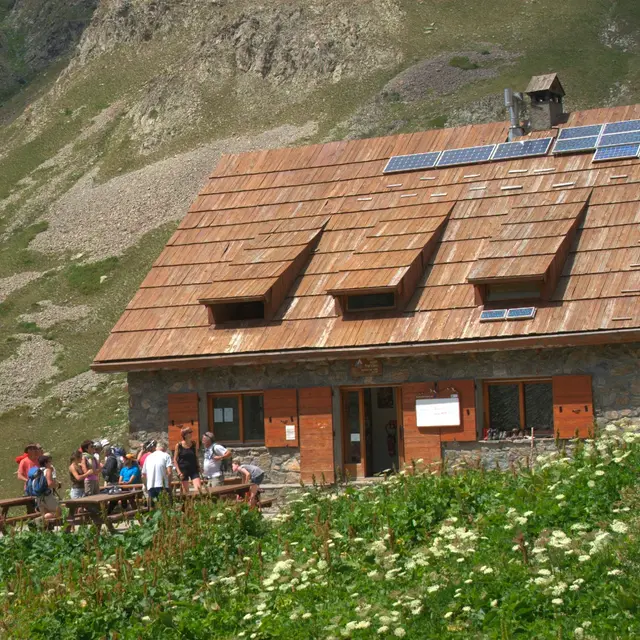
(280, 465)
(501, 454)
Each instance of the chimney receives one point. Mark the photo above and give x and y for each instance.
(546, 95)
(512, 102)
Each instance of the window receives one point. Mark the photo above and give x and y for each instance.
(513, 291)
(513, 408)
(238, 311)
(368, 301)
(237, 418)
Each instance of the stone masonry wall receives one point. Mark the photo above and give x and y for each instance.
(614, 371)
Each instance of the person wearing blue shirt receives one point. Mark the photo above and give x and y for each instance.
(130, 473)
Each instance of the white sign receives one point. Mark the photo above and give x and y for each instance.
(290, 431)
(218, 415)
(228, 414)
(438, 412)
(355, 437)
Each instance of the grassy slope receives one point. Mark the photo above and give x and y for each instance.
(565, 37)
(548, 553)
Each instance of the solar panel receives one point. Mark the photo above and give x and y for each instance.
(580, 132)
(524, 313)
(575, 144)
(616, 139)
(470, 155)
(617, 153)
(411, 162)
(493, 314)
(621, 127)
(522, 149)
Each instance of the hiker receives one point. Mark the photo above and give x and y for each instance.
(214, 456)
(186, 462)
(77, 476)
(253, 474)
(147, 449)
(250, 473)
(130, 473)
(111, 467)
(156, 472)
(32, 452)
(41, 485)
(99, 448)
(91, 468)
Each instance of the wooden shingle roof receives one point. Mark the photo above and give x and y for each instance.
(372, 225)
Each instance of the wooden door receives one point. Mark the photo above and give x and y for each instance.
(315, 409)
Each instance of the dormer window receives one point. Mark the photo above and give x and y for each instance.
(382, 274)
(237, 311)
(524, 259)
(371, 301)
(255, 283)
(504, 291)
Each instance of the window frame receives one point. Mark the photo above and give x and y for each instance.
(521, 402)
(239, 395)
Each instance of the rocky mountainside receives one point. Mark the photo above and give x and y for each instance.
(114, 111)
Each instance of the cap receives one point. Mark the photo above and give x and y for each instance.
(130, 456)
(209, 435)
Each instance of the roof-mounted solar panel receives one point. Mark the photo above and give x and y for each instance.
(524, 313)
(412, 162)
(470, 155)
(621, 127)
(617, 139)
(575, 145)
(621, 152)
(580, 132)
(522, 149)
(493, 315)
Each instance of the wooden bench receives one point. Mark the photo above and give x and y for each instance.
(267, 502)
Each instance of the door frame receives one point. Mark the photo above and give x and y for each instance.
(358, 470)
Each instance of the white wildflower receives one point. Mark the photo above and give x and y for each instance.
(599, 472)
(560, 496)
(448, 614)
(466, 609)
(544, 572)
(584, 558)
(306, 615)
(382, 629)
(522, 520)
(614, 572)
(559, 589)
(619, 527)
(494, 603)
(591, 484)
(578, 633)
(557, 601)
(433, 588)
(145, 619)
(399, 632)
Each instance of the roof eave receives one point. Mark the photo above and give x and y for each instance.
(575, 339)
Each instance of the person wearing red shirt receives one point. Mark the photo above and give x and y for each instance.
(32, 451)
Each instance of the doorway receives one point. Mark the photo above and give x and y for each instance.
(371, 430)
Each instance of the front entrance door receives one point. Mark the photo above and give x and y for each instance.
(371, 435)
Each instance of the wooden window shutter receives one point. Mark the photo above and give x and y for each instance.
(418, 443)
(467, 431)
(316, 434)
(572, 406)
(280, 409)
(183, 412)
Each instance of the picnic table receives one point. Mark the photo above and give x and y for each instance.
(96, 506)
(23, 501)
(222, 491)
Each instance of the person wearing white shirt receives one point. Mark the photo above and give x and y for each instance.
(214, 454)
(156, 472)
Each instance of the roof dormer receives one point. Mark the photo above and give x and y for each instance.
(256, 282)
(382, 274)
(523, 261)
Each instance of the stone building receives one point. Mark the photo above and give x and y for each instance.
(348, 307)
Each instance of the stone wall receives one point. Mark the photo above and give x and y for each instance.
(280, 465)
(501, 454)
(614, 371)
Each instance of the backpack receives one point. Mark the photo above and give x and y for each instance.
(225, 465)
(37, 485)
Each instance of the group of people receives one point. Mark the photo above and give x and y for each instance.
(151, 465)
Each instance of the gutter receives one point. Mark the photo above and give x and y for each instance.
(576, 339)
